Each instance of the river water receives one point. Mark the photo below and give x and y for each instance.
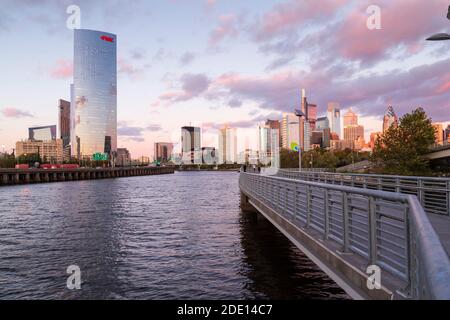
(180, 236)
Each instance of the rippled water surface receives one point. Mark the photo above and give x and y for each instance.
(180, 236)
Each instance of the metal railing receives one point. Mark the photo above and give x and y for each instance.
(432, 193)
(386, 229)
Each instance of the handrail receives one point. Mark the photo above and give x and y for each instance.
(388, 229)
(433, 193)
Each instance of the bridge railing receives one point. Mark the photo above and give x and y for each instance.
(432, 193)
(386, 229)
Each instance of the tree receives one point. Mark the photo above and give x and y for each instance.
(400, 149)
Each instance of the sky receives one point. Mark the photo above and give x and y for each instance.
(216, 62)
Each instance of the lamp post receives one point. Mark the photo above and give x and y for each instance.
(299, 114)
(441, 36)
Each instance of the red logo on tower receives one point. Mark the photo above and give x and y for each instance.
(105, 38)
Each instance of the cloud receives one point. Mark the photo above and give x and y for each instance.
(153, 128)
(129, 131)
(129, 69)
(227, 28)
(192, 85)
(62, 70)
(235, 103)
(16, 113)
(187, 58)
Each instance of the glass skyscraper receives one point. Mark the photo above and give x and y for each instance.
(94, 94)
(334, 118)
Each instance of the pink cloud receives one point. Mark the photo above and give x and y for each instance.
(16, 113)
(404, 22)
(291, 14)
(227, 28)
(62, 70)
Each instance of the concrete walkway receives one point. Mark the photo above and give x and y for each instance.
(442, 226)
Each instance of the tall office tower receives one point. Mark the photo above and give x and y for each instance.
(94, 94)
(350, 118)
(312, 116)
(64, 121)
(289, 130)
(438, 133)
(389, 119)
(163, 151)
(227, 145)
(191, 144)
(46, 133)
(307, 132)
(322, 123)
(334, 117)
(275, 125)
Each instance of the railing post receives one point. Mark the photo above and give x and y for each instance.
(372, 231)
(308, 206)
(345, 222)
(327, 214)
(448, 198)
(397, 185)
(421, 193)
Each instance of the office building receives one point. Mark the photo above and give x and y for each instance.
(46, 133)
(191, 144)
(389, 119)
(64, 121)
(163, 151)
(50, 151)
(438, 133)
(227, 145)
(289, 130)
(350, 118)
(123, 157)
(334, 117)
(322, 123)
(94, 94)
(209, 155)
(275, 125)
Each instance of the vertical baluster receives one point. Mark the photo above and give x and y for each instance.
(372, 231)
(327, 214)
(345, 222)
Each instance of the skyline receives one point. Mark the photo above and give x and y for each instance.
(236, 73)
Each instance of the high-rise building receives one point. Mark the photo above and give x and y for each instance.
(94, 94)
(350, 118)
(275, 125)
(389, 119)
(354, 132)
(312, 115)
(447, 133)
(50, 151)
(322, 123)
(46, 133)
(289, 130)
(64, 121)
(227, 145)
(438, 133)
(123, 157)
(163, 151)
(334, 117)
(191, 144)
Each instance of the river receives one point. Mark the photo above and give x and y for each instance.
(180, 236)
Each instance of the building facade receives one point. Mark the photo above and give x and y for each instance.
(389, 119)
(227, 145)
(50, 151)
(64, 121)
(94, 94)
(163, 151)
(334, 117)
(191, 144)
(46, 133)
(350, 118)
(123, 157)
(289, 130)
(438, 133)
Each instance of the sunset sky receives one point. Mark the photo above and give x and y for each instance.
(210, 62)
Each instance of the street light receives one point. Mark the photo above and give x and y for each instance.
(299, 114)
(441, 36)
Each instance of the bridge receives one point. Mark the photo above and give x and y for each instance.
(346, 223)
(34, 175)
